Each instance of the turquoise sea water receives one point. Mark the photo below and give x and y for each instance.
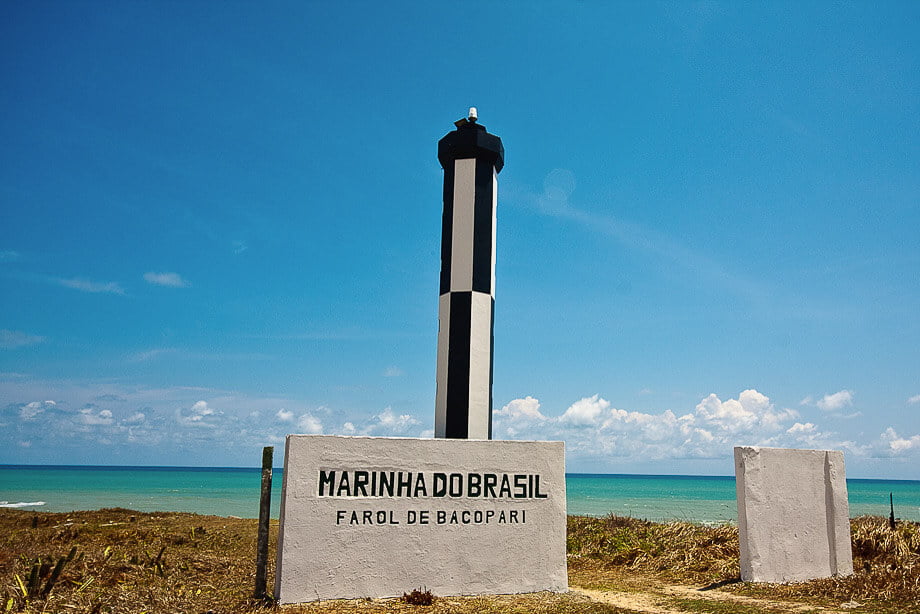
(235, 492)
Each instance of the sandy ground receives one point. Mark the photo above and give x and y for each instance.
(660, 599)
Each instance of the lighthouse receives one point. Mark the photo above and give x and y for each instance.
(471, 159)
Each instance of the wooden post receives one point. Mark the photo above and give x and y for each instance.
(891, 522)
(265, 505)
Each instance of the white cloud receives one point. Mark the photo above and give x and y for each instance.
(310, 425)
(135, 418)
(200, 414)
(891, 444)
(591, 427)
(526, 408)
(836, 401)
(91, 417)
(585, 412)
(390, 423)
(153, 425)
(170, 280)
(145, 424)
(914, 399)
(85, 285)
(731, 415)
(200, 408)
(801, 429)
(752, 410)
(12, 339)
(9, 255)
(30, 410)
(393, 372)
(385, 423)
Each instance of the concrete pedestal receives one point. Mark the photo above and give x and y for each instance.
(377, 517)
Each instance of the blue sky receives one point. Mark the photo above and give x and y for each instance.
(220, 223)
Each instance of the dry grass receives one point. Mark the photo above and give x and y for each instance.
(678, 550)
(886, 565)
(127, 562)
(615, 551)
(533, 603)
(131, 562)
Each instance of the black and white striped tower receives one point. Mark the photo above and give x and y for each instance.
(471, 159)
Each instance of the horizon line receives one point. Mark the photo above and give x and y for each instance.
(206, 468)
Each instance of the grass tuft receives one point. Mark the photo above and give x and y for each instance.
(418, 597)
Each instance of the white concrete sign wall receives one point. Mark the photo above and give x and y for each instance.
(377, 517)
(793, 514)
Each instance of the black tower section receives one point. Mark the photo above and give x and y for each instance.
(471, 159)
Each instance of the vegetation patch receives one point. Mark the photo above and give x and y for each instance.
(709, 606)
(680, 550)
(418, 597)
(126, 562)
(626, 554)
(886, 563)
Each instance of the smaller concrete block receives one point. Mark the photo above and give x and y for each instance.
(793, 514)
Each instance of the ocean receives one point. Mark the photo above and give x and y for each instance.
(225, 491)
